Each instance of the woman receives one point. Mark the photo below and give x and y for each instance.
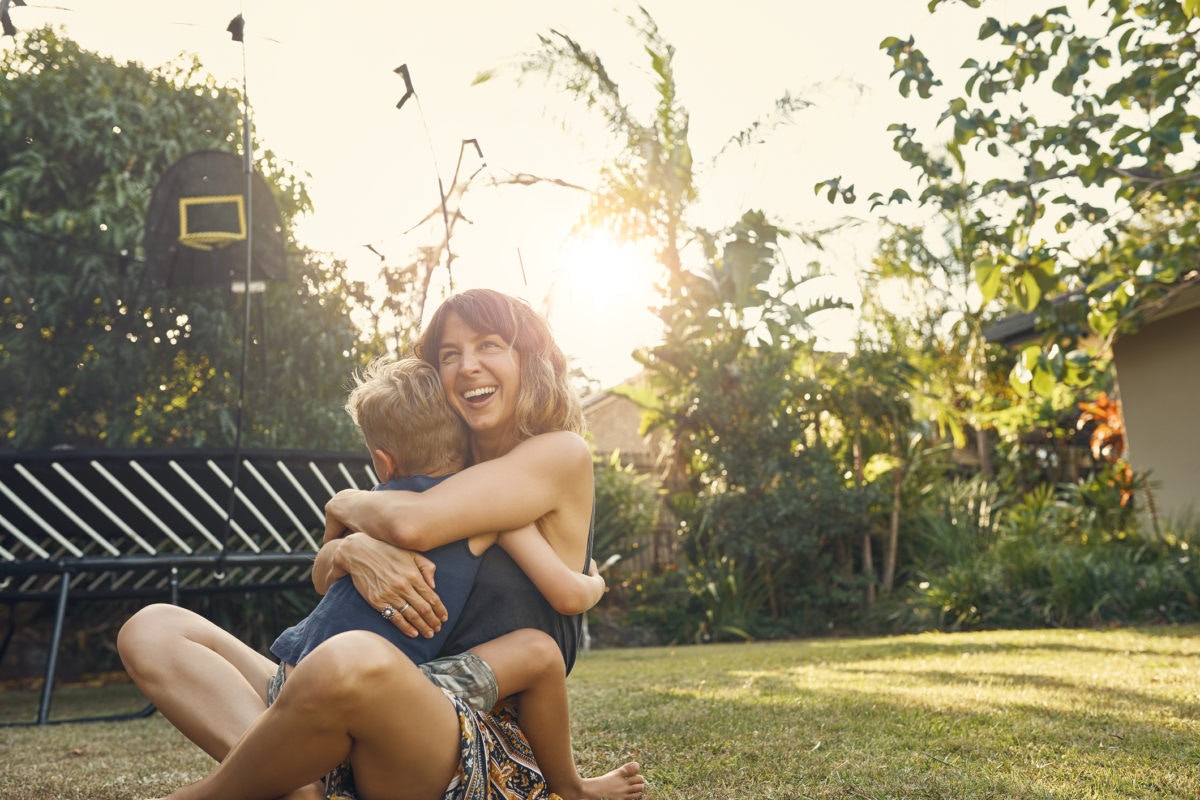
(505, 376)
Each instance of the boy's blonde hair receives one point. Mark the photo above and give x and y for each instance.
(400, 408)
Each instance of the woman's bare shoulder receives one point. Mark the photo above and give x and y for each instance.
(559, 451)
(564, 443)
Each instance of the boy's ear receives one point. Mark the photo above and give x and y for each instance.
(385, 466)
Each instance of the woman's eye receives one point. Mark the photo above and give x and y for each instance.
(448, 356)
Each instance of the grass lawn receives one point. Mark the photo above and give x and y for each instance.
(1060, 714)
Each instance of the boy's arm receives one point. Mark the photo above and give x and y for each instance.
(325, 568)
(568, 592)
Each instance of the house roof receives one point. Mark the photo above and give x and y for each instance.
(1016, 329)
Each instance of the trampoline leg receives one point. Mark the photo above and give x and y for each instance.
(52, 658)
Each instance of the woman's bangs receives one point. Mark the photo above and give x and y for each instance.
(486, 314)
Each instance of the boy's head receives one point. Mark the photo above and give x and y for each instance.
(405, 420)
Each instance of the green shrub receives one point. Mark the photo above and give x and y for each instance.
(1056, 558)
(626, 509)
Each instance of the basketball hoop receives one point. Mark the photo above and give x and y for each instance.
(212, 222)
(198, 208)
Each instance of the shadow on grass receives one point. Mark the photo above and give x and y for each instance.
(835, 744)
(70, 702)
(836, 719)
(1101, 642)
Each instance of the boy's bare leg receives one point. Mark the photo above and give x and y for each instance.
(528, 663)
(334, 705)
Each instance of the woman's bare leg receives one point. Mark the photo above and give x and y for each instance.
(206, 682)
(528, 663)
(355, 695)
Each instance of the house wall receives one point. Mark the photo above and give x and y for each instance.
(1158, 371)
(614, 423)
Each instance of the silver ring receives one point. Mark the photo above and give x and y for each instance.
(388, 612)
(404, 607)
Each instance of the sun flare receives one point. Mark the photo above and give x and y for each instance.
(603, 292)
(606, 273)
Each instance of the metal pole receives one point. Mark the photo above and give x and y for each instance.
(248, 169)
(64, 591)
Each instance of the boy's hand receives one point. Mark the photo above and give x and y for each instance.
(335, 524)
(599, 586)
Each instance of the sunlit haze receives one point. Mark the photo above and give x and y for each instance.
(323, 91)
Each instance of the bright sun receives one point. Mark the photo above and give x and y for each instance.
(602, 293)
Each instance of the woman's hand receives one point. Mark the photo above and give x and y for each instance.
(388, 576)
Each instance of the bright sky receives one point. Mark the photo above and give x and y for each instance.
(323, 92)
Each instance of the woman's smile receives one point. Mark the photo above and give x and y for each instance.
(480, 394)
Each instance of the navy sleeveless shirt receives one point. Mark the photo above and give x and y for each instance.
(344, 609)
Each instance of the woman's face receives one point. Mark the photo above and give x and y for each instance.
(481, 374)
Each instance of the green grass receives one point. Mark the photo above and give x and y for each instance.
(1046, 714)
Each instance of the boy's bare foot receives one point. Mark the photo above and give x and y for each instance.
(623, 783)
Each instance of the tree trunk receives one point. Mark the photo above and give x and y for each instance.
(868, 559)
(983, 446)
(869, 568)
(893, 543)
(772, 594)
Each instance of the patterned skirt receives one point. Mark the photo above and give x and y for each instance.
(495, 761)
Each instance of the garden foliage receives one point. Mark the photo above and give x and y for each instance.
(90, 354)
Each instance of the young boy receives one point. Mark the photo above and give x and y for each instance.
(415, 441)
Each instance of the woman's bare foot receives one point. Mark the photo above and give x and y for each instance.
(623, 783)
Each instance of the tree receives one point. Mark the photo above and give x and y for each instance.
(89, 354)
(930, 371)
(647, 189)
(869, 394)
(758, 512)
(943, 328)
(646, 192)
(1071, 141)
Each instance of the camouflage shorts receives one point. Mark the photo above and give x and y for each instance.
(276, 683)
(466, 676)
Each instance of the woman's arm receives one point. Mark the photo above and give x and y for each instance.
(568, 592)
(538, 477)
(384, 575)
